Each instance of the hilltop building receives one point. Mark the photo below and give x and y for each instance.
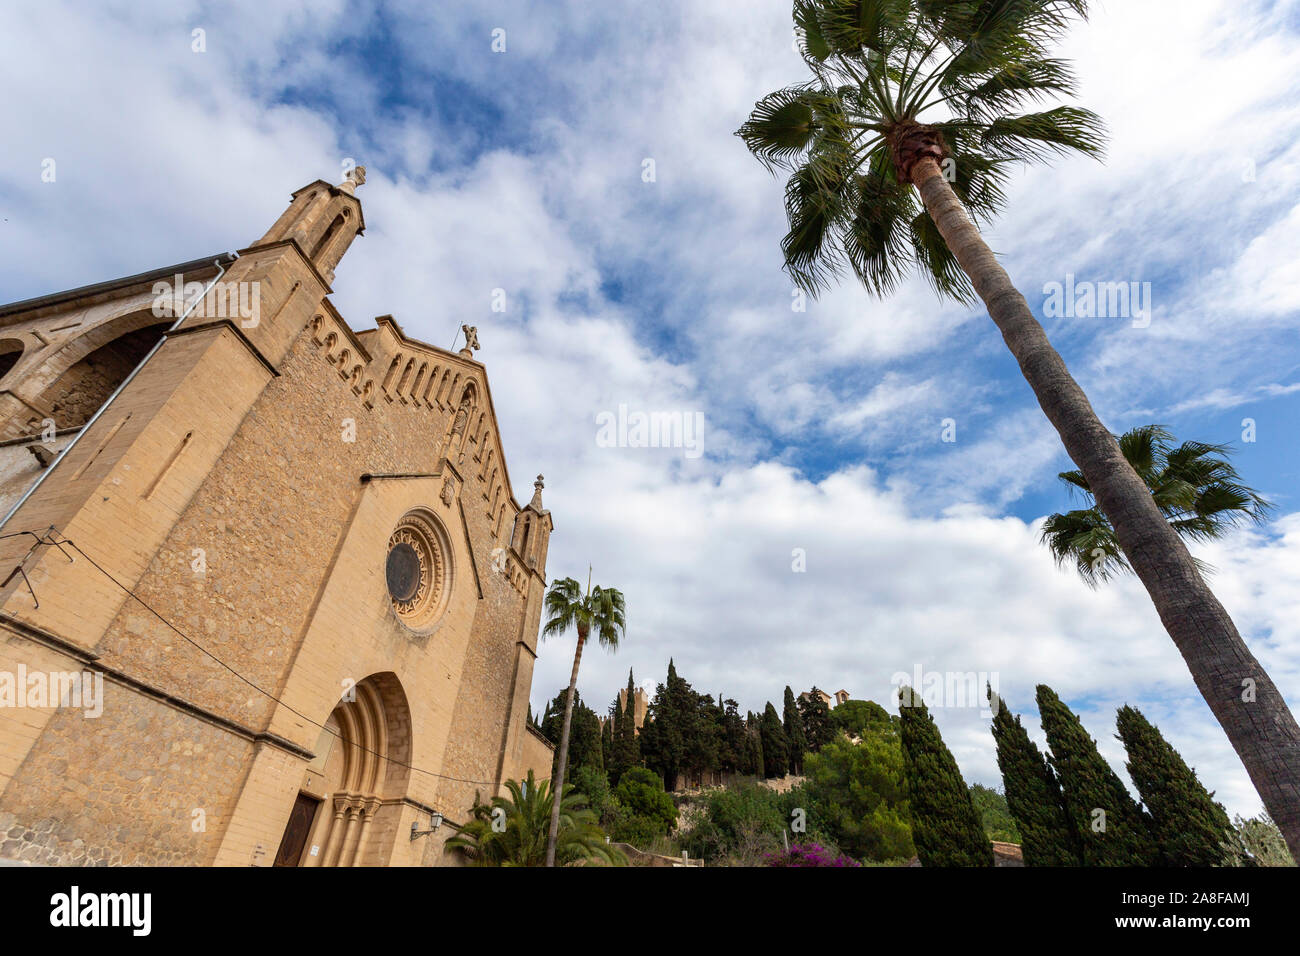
(640, 706)
(831, 702)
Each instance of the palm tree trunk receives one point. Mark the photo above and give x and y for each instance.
(1254, 715)
(557, 785)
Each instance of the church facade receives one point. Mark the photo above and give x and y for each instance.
(268, 595)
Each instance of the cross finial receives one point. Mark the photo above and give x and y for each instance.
(354, 177)
(471, 340)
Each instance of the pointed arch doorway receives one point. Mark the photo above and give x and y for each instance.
(347, 812)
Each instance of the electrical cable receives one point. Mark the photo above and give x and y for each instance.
(145, 604)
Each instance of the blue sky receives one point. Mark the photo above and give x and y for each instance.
(523, 169)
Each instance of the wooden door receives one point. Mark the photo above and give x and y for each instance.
(295, 834)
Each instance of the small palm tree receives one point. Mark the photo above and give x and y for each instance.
(899, 146)
(567, 608)
(1194, 485)
(512, 831)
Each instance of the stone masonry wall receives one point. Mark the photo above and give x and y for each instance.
(239, 573)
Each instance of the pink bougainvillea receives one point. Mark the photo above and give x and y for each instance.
(808, 854)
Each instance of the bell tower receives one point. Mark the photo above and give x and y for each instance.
(323, 220)
(532, 532)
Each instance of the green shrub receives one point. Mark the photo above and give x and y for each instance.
(593, 783)
(854, 796)
(739, 824)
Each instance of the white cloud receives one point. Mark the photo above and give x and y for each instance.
(888, 397)
(1222, 398)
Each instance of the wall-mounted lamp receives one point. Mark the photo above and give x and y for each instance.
(435, 821)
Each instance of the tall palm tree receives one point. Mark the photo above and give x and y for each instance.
(931, 94)
(600, 610)
(511, 831)
(1194, 485)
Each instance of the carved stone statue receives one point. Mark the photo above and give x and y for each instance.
(356, 176)
(462, 417)
(471, 338)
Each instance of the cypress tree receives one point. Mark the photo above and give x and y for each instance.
(612, 768)
(674, 729)
(1190, 828)
(629, 701)
(585, 734)
(632, 745)
(607, 743)
(702, 737)
(818, 728)
(655, 749)
(776, 752)
(755, 735)
(737, 742)
(627, 753)
(1033, 795)
(1112, 829)
(674, 745)
(685, 727)
(792, 724)
(597, 757)
(648, 742)
(946, 827)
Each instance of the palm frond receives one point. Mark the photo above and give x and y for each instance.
(851, 28)
(1039, 136)
(563, 603)
(811, 256)
(602, 610)
(511, 830)
(876, 66)
(1078, 484)
(1015, 85)
(1193, 484)
(877, 243)
(1233, 503)
(609, 615)
(1144, 447)
(813, 45)
(781, 126)
(1085, 539)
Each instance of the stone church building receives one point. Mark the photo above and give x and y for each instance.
(269, 597)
